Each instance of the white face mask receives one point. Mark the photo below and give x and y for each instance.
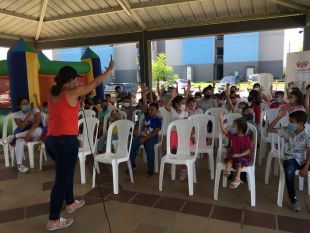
(126, 105)
(183, 107)
(256, 88)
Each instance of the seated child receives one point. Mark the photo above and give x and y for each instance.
(149, 136)
(296, 145)
(238, 155)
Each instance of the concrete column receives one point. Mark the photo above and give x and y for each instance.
(145, 61)
(307, 33)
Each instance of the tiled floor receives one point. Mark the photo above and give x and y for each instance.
(141, 208)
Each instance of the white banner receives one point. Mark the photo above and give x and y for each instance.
(298, 69)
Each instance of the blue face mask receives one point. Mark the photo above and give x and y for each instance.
(233, 130)
(292, 127)
(26, 108)
(277, 100)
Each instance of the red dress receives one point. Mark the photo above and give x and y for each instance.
(239, 144)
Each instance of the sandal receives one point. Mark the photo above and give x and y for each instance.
(227, 172)
(235, 183)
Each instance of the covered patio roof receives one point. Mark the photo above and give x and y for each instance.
(57, 23)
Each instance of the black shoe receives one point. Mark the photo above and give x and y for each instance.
(243, 177)
(150, 173)
(231, 176)
(133, 170)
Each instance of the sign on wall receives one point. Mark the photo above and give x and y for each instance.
(298, 69)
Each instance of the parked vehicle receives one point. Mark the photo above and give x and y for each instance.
(251, 81)
(181, 84)
(125, 87)
(232, 80)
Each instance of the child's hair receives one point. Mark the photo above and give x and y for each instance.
(256, 85)
(299, 116)
(126, 98)
(191, 99)
(198, 94)
(107, 95)
(96, 100)
(44, 104)
(155, 105)
(154, 96)
(279, 93)
(246, 108)
(254, 96)
(178, 99)
(241, 124)
(87, 102)
(308, 86)
(299, 95)
(19, 101)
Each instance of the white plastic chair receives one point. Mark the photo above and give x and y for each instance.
(250, 170)
(125, 135)
(44, 119)
(273, 154)
(135, 117)
(166, 116)
(282, 175)
(4, 141)
(183, 155)
(206, 139)
(215, 112)
(86, 113)
(107, 118)
(267, 117)
(230, 117)
(30, 146)
(89, 143)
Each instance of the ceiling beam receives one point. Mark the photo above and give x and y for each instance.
(160, 3)
(290, 4)
(17, 15)
(135, 17)
(195, 31)
(42, 14)
(85, 14)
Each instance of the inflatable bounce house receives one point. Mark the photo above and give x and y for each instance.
(26, 72)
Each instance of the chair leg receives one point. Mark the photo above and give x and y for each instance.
(194, 173)
(130, 171)
(12, 152)
(276, 167)
(97, 167)
(224, 181)
(249, 181)
(217, 181)
(6, 155)
(261, 152)
(281, 188)
(41, 158)
(82, 169)
(268, 166)
(190, 179)
(45, 157)
(211, 165)
(31, 156)
(173, 168)
(253, 189)
(301, 183)
(161, 174)
(94, 178)
(115, 176)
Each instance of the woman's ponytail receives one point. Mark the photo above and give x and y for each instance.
(56, 89)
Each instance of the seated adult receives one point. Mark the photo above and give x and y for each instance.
(28, 121)
(127, 107)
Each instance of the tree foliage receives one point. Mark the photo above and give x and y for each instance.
(161, 71)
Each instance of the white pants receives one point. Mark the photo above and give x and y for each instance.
(20, 143)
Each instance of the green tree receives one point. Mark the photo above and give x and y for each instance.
(160, 70)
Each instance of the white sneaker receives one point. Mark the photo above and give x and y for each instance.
(22, 168)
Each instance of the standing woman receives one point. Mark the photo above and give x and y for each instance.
(62, 143)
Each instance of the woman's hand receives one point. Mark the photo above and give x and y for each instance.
(111, 65)
(235, 156)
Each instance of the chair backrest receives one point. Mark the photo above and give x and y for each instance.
(5, 125)
(135, 117)
(202, 121)
(107, 117)
(141, 124)
(44, 119)
(125, 130)
(166, 117)
(183, 128)
(230, 117)
(90, 132)
(267, 117)
(264, 106)
(87, 113)
(123, 115)
(222, 137)
(215, 112)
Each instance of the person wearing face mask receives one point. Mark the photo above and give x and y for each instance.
(296, 142)
(255, 102)
(127, 107)
(105, 109)
(119, 94)
(62, 144)
(233, 92)
(207, 102)
(295, 102)
(277, 101)
(29, 128)
(192, 108)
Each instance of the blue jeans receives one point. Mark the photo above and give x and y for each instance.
(290, 166)
(64, 151)
(149, 149)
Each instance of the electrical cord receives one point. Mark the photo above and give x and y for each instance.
(94, 169)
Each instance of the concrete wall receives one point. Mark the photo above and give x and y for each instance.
(273, 67)
(126, 76)
(239, 66)
(271, 45)
(174, 52)
(201, 72)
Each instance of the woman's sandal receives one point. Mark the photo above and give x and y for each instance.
(227, 172)
(235, 183)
